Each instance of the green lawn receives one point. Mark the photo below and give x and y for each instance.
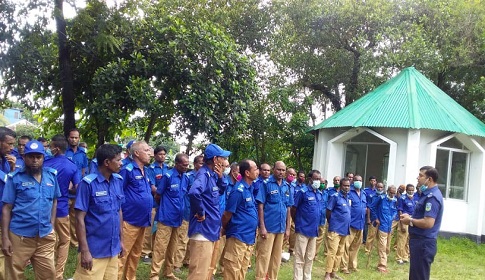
(457, 258)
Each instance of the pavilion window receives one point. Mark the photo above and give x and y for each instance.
(452, 162)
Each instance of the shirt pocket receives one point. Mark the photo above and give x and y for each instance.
(28, 191)
(102, 204)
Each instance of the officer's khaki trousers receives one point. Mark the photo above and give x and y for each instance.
(371, 235)
(133, 241)
(268, 256)
(351, 250)
(336, 244)
(72, 223)
(384, 240)
(183, 240)
(200, 259)
(237, 256)
(304, 255)
(104, 268)
(40, 251)
(402, 253)
(62, 229)
(2, 260)
(164, 247)
(149, 237)
(322, 236)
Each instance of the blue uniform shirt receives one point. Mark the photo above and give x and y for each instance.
(323, 208)
(204, 195)
(155, 173)
(4, 170)
(358, 206)
(308, 211)
(101, 200)
(257, 185)
(137, 208)
(80, 159)
(31, 201)
(244, 220)
(430, 204)
(372, 200)
(276, 200)
(339, 222)
(66, 173)
(172, 189)
(369, 192)
(191, 175)
(406, 204)
(19, 162)
(386, 210)
(93, 166)
(126, 161)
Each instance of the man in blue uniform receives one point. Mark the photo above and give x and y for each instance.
(182, 254)
(264, 173)
(358, 208)
(274, 201)
(21, 142)
(373, 229)
(384, 208)
(155, 172)
(298, 184)
(79, 157)
(7, 164)
(323, 231)
(128, 158)
(205, 220)
(306, 212)
(338, 217)
(424, 224)
(369, 191)
(137, 208)
(99, 217)
(29, 211)
(171, 191)
(239, 222)
(67, 176)
(406, 205)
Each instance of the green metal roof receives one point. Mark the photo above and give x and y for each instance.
(408, 100)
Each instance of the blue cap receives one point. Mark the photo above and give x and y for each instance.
(34, 146)
(212, 150)
(129, 144)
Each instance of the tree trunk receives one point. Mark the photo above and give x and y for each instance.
(149, 131)
(190, 139)
(65, 70)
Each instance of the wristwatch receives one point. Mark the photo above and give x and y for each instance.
(411, 222)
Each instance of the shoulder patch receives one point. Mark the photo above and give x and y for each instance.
(51, 170)
(430, 195)
(95, 160)
(240, 188)
(304, 189)
(90, 177)
(335, 194)
(118, 176)
(168, 174)
(11, 174)
(129, 167)
(428, 207)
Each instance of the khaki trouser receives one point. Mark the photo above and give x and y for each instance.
(304, 254)
(336, 244)
(217, 255)
(322, 235)
(183, 240)
(384, 239)
(200, 259)
(72, 223)
(61, 227)
(40, 251)
(104, 268)
(268, 256)
(290, 242)
(402, 253)
(164, 247)
(371, 235)
(149, 237)
(2, 260)
(133, 242)
(394, 227)
(236, 259)
(351, 250)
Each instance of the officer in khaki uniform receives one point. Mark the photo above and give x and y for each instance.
(29, 211)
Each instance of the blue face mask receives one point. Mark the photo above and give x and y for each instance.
(48, 152)
(357, 184)
(379, 192)
(423, 188)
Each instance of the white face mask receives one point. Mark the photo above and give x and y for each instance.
(227, 171)
(316, 185)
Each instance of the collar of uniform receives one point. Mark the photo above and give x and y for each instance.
(176, 173)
